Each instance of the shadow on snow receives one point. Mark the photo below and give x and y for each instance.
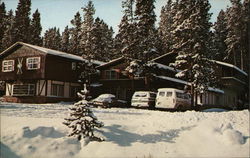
(124, 138)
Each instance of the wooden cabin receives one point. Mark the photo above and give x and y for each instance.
(233, 84)
(37, 75)
(115, 79)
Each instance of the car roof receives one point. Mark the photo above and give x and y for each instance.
(144, 92)
(107, 95)
(170, 89)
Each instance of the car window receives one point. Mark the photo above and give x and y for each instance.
(162, 94)
(169, 94)
(185, 96)
(141, 95)
(179, 95)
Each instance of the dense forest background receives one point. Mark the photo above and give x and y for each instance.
(184, 26)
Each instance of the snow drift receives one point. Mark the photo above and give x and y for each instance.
(29, 131)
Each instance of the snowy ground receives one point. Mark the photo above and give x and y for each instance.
(36, 131)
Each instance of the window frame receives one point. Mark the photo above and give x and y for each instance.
(33, 63)
(57, 89)
(8, 65)
(110, 76)
(30, 88)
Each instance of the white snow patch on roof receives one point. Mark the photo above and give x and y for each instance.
(174, 80)
(61, 54)
(215, 90)
(161, 66)
(232, 66)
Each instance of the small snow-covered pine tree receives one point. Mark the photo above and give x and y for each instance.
(82, 121)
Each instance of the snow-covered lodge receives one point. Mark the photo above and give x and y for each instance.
(232, 88)
(36, 74)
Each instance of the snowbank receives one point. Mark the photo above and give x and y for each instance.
(29, 131)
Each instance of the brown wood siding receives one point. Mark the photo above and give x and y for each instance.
(23, 53)
(60, 69)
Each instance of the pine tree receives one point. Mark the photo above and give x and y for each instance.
(246, 35)
(146, 18)
(234, 51)
(21, 25)
(220, 35)
(52, 39)
(191, 37)
(65, 43)
(36, 29)
(7, 40)
(75, 35)
(86, 34)
(3, 25)
(82, 121)
(125, 39)
(166, 25)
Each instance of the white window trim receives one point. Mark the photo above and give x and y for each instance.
(13, 66)
(39, 63)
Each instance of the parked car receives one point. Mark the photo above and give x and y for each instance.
(172, 98)
(108, 101)
(143, 99)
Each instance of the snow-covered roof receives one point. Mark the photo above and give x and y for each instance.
(187, 83)
(173, 79)
(159, 57)
(215, 90)
(112, 61)
(232, 66)
(161, 66)
(55, 52)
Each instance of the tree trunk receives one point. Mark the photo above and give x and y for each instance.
(192, 95)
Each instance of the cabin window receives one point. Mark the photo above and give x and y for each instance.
(23, 89)
(33, 63)
(8, 65)
(73, 66)
(110, 74)
(57, 90)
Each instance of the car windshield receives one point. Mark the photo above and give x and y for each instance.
(141, 95)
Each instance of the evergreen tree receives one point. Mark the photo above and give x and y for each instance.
(234, 43)
(246, 35)
(191, 37)
(86, 34)
(166, 25)
(220, 35)
(21, 25)
(146, 18)
(7, 40)
(82, 121)
(36, 29)
(52, 39)
(128, 9)
(125, 39)
(75, 35)
(65, 43)
(3, 25)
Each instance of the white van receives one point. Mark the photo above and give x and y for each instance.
(172, 98)
(143, 99)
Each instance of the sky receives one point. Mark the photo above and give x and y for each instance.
(59, 13)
